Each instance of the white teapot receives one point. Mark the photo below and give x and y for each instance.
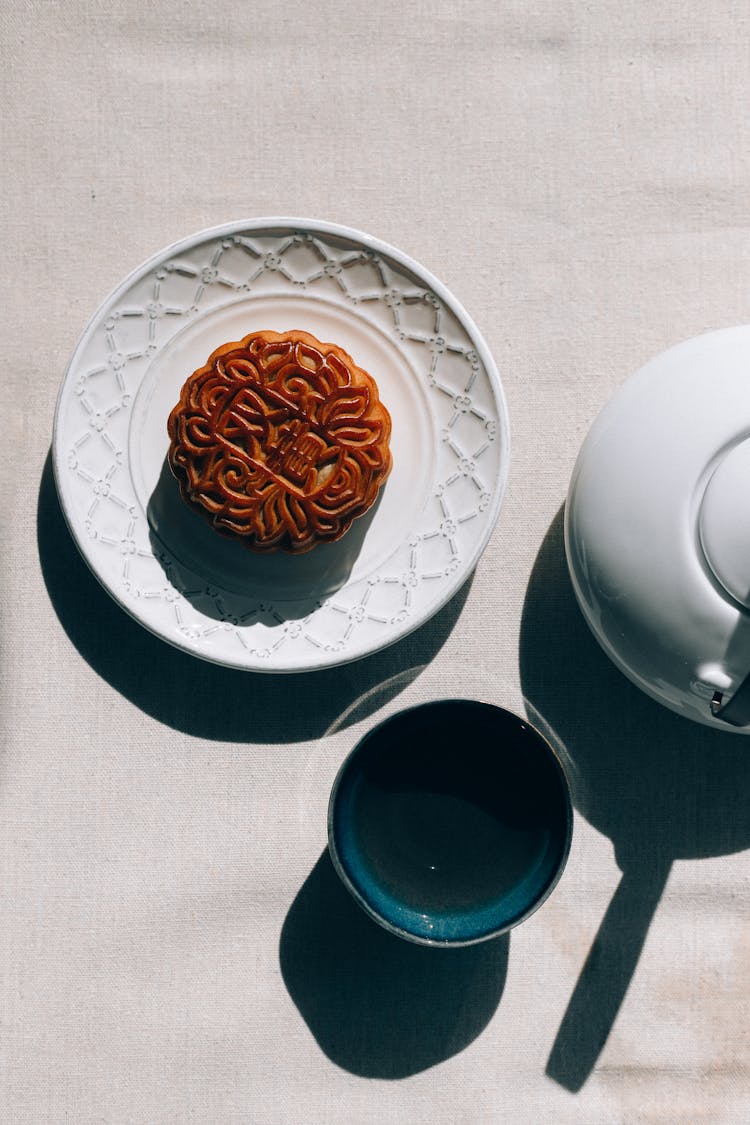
(657, 528)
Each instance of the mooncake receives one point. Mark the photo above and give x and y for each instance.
(280, 441)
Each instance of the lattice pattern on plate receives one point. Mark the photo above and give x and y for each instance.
(392, 295)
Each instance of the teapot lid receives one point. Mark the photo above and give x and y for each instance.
(724, 522)
(657, 525)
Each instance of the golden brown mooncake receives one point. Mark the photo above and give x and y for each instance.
(280, 441)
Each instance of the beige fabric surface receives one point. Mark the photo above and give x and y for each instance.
(173, 944)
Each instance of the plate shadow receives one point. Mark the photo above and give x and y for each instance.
(379, 1006)
(207, 700)
(659, 786)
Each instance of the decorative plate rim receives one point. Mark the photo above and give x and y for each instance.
(259, 226)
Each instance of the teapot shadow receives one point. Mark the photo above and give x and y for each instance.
(659, 786)
(379, 1006)
(208, 700)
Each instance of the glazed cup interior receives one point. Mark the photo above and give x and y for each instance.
(450, 822)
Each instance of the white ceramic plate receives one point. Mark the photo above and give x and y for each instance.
(399, 563)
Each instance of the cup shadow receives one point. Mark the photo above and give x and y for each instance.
(659, 786)
(208, 700)
(379, 1006)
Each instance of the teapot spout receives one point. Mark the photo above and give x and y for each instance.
(735, 709)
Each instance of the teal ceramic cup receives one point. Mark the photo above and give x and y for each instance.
(450, 822)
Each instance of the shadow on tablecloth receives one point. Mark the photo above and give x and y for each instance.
(379, 1006)
(659, 786)
(182, 691)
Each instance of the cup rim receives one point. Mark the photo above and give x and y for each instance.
(495, 931)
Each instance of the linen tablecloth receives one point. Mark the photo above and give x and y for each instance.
(174, 945)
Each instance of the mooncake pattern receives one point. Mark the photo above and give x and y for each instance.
(280, 440)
